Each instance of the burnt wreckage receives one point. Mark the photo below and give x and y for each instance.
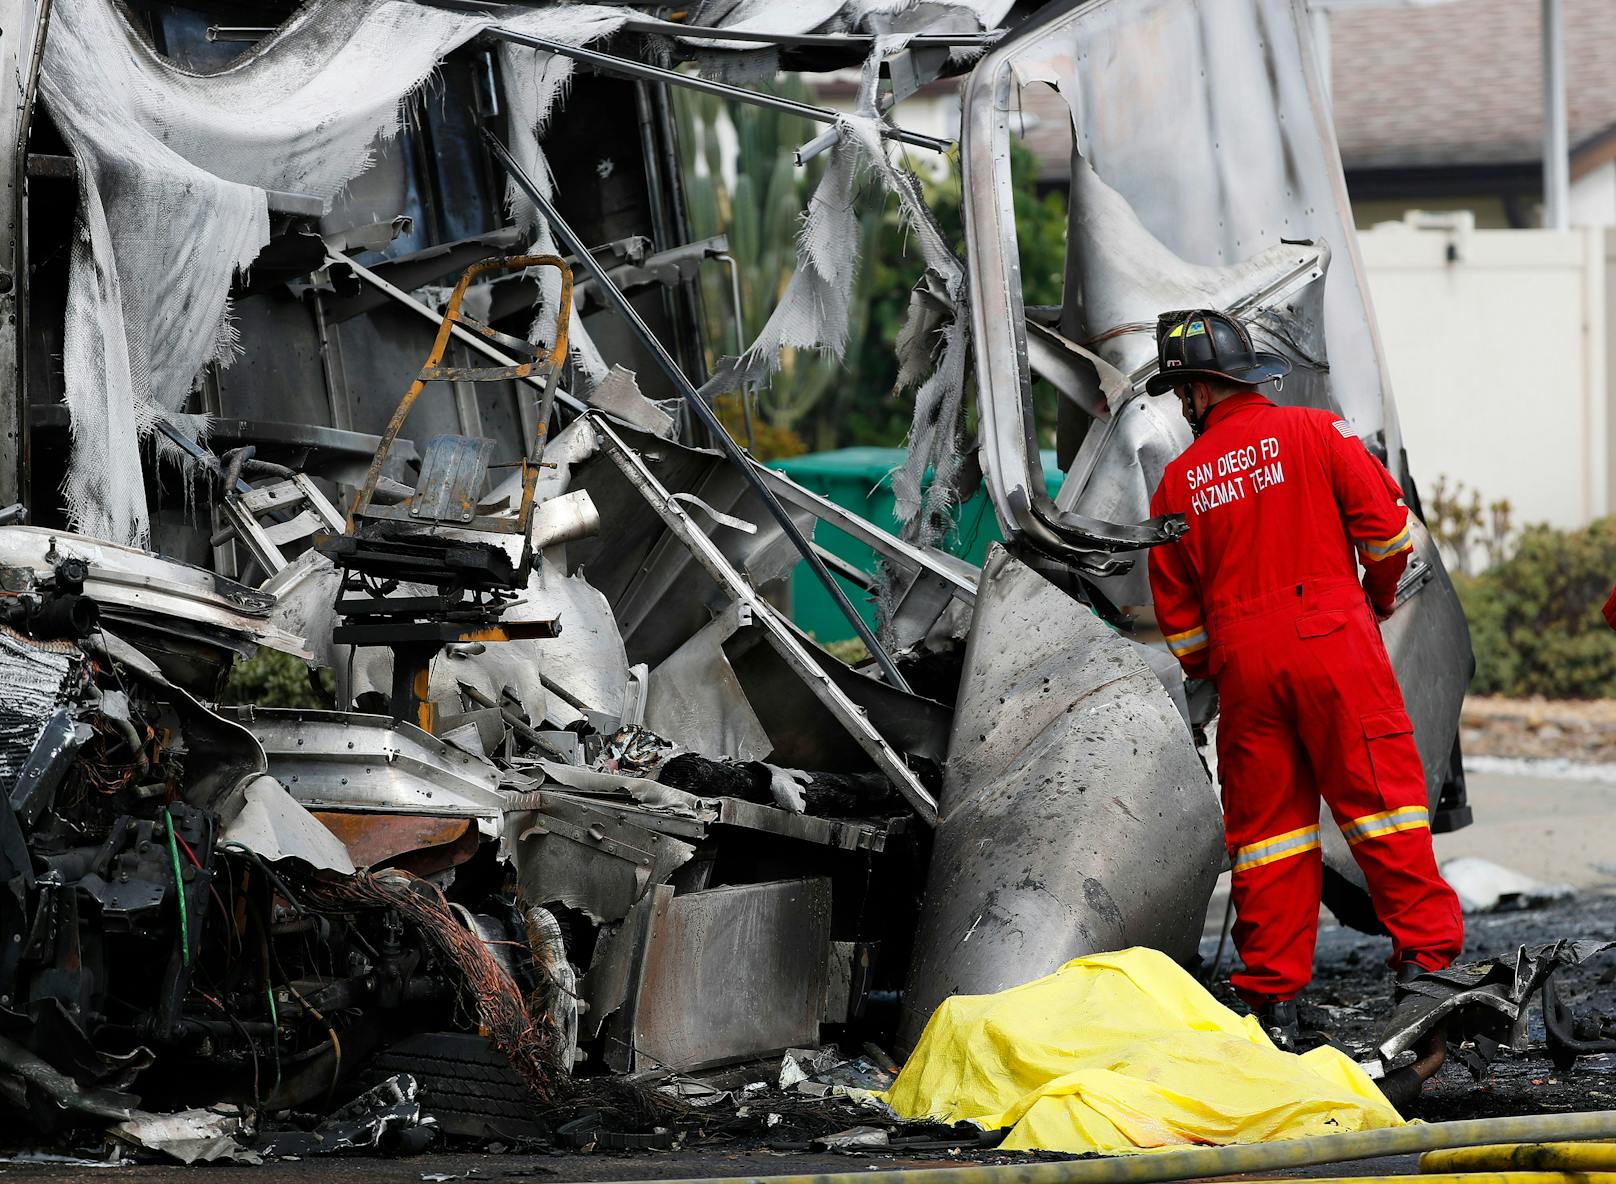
(584, 800)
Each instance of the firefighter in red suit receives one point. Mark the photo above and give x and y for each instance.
(1262, 595)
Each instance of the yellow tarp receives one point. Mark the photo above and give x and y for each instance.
(1125, 1052)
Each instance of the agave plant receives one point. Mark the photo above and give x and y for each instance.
(742, 180)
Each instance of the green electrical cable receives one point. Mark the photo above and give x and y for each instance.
(275, 1033)
(179, 890)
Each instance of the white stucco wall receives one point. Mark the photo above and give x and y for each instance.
(1499, 362)
(1593, 197)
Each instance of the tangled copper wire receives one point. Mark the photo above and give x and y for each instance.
(501, 1011)
(109, 776)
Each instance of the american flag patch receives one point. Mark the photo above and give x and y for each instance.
(1345, 429)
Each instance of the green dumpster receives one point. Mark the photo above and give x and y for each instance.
(860, 480)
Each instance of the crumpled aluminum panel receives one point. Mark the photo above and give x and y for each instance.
(1205, 173)
(694, 698)
(275, 825)
(592, 856)
(728, 972)
(1076, 815)
(332, 760)
(132, 584)
(659, 593)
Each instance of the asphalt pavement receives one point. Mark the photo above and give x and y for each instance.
(1552, 821)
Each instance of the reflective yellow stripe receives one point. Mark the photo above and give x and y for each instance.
(1187, 642)
(1292, 842)
(1380, 549)
(1374, 826)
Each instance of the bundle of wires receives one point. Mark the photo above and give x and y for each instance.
(501, 1011)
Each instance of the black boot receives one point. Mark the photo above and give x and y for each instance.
(1278, 1020)
(1407, 972)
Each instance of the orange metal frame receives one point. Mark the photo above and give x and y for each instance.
(548, 362)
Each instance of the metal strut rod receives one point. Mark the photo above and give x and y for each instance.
(637, 24)
(614, 297)
(623, 67)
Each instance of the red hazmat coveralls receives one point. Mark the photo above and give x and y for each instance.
(1262, 596)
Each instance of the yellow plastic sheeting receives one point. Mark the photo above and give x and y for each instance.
(1125, 1052)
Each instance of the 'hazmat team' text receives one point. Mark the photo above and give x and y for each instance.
(1235, 475)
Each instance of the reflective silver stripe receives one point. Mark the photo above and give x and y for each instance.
(1373, 826)
(1389, 547)
(1183, 643)
(1279, 847)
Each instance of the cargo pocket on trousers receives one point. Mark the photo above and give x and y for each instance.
(1393, 760)
(1320, 624)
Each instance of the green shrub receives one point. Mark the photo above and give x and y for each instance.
(852, 651)
(272, 679)
(1535, 619)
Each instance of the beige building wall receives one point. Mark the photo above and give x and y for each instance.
(1498, 347)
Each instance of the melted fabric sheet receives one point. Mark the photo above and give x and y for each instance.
(173, 173)
(174, 167)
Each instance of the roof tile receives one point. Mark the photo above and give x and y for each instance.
(1461, 83)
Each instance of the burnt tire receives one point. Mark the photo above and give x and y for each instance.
(467, 1085)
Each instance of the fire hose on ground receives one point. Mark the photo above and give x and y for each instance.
(1520, 1159)
(1481, 1135)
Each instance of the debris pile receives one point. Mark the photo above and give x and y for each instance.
(558, 811)
(320, 890)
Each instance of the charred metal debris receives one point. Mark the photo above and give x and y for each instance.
(581, 809)
(577, 811)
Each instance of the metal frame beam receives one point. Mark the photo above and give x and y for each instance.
(624, 68)
(861, 41)
(780, 637)
(25, 23)
(681, 382)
